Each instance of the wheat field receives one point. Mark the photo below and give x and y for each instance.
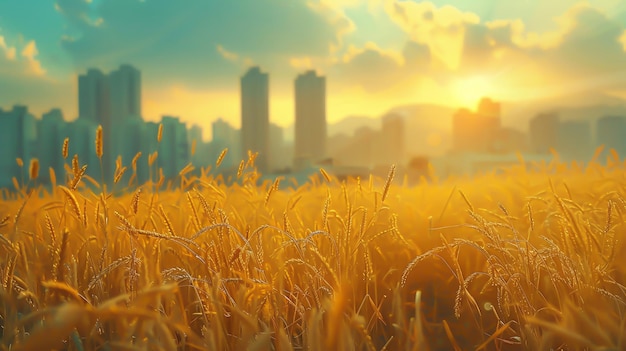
(532, 258)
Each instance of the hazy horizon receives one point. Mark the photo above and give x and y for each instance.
(376, 54)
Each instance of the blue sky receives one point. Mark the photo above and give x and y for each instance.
(375, 53)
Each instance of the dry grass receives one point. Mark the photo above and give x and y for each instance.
(532, 259)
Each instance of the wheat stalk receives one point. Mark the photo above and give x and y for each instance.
(220, 158)
(33, 170)
(65, 149)
(99, 148)
(392, 172)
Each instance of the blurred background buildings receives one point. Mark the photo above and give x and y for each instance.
(412, 137)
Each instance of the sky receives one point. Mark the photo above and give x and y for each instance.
(376, 54)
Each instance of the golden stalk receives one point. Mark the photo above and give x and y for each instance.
(34, 168)
(99, 146)
(221, 157)
(66, 144)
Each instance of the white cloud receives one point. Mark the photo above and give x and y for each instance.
(333, 12)
(26, 64)
(442, 29)
(9, 51)
(228, 55)
(33, 66)
(304, 62)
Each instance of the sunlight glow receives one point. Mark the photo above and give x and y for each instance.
(468, 91)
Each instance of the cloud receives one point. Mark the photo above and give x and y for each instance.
(370, 67)
(264, 32)
(228, 55)
(442, 29)
(378, 50)
(9, 51)
(301, 63)
(333, 12)
(584, 49)
(23, 80)
(27, 64)
(33, 65)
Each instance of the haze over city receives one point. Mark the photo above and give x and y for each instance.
(353, 86)
(377, 54)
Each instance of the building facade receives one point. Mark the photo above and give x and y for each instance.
(310, 128)
(255, 116)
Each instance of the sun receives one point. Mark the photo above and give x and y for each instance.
(468, 91)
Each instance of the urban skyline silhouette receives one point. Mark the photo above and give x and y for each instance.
(114, 101)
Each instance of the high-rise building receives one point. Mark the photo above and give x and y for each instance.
(611, 132)
(82, 134)
(543, 132)
(255, 116)
(489, 108)
(149, 145)
(51, 131)
(310, 129)
(125, 93)
(281, 155)
(226, 136)
(93, 96)
(18, 132)
(476, 131)
(174, 147)
(129, 139)
(109, 100)
(94, 108)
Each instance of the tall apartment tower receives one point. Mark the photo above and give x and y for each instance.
(125, 93)
(255, 116)
(225, 136)
(476, 131)
(109, 100)
(310, 138)
(93, 96)
(18, 132)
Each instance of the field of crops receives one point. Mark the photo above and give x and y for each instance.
(529, 259)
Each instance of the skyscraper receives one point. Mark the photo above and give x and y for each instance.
(93, 96)
(174, 146)
(82, 135)
(225, 136)
(125, 93)
(109, 100)
(281, 154)
(476, 131)
(51, 131)
(255, 116)
(310, 139)
(18, 132)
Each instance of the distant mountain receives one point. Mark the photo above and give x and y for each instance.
(350, 124)
(428, 127)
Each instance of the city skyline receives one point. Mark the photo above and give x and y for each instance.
(376, 54)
